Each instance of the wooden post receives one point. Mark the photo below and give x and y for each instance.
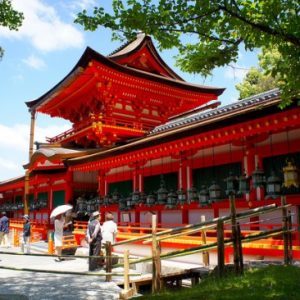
(127, 292)
(290, 237)
(285, 233)
(126, 270)
(240, 249)
(220, 238)
(156, 264)
(108, 251)
(234, 234)
(205, 254)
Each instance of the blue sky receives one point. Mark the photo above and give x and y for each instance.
(43, 51)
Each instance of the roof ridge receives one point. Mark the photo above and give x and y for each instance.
(200, 116)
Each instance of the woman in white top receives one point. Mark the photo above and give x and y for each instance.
(109, 229)
(59, 224)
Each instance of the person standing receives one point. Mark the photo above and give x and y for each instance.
(94, 238)
(58, 235)
(4, 230)
(109, 229)
(26, 234)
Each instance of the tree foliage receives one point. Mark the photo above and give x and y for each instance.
(9, 18)
(208, 33)
(259, 80)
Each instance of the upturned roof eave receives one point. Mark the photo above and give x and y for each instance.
(68, 154)
(90, 54)
(145, 141)
(145, 41)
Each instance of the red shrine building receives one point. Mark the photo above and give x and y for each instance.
(144, 140)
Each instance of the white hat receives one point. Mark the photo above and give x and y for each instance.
(26, 217)
(95, 214)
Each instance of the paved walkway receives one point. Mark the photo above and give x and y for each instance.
(17, 285)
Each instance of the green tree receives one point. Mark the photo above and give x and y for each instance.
(259, 80)
(208, 33)
(9, 18)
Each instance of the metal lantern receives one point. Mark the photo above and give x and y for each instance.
(214, 192)
(20, 205)
(81, 205)
(129, 202)
(273, 188)
(192, 194)
(115, 197)
(258, 178)
(43, 202)
(143, 198)
(136, 197)
(171, 199)
(181, 196)
(244, 184)
(162, 192)
(204, 196)
(290, 175)
(106, 200)
(150, 200)
(122, 204)
(232, 184)
(99, 200)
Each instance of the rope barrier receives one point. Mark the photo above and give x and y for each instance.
(264, 220)
(55, 256)
(66, 272)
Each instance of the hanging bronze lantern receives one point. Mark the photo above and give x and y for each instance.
(171, 199)
(192, 194)
(181, 196)
(203, 196)
(273, 188)
(115, 197)
(150, 200)
(122, 204)
(135, 197)
(214, 192)
(290, 175)
(162, 192)
(258, 178)
(231, 184)
(244, 184)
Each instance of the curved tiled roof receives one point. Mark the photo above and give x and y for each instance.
(185, 124)
(200, 116)
(90, 54)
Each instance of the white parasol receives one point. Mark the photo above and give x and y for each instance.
(61, 209)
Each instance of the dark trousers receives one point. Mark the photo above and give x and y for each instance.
(95, 250)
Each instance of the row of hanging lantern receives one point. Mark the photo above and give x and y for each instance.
(11, 206)
(273, 184)
(38, 204)
(87, 206)
(237, 185)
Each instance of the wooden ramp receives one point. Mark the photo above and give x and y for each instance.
(174, 278)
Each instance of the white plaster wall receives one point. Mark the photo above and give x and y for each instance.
(146, 218)
(195, 215)
(245, 221)
(171, 218)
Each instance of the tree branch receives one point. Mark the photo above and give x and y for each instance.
(214, 38)
(286, 37)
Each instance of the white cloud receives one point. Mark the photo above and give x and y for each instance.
(82, 4)
(15, 137)
(7, 164)
(34, 62)
(15, 146)
(235, 72)
(43, 27)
